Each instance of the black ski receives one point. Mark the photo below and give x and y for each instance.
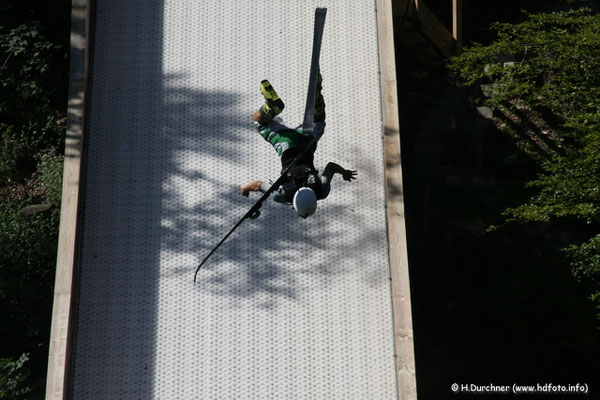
(309, 110)
(307, 128)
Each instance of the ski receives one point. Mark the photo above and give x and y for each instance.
(309, 110)
(307, 128)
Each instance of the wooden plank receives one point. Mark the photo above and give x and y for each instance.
(398, 255)
(457, 25)
(434, 30)
(57, 383)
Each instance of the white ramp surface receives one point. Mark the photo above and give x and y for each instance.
(287, 308)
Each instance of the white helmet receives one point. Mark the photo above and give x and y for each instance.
(305, 202)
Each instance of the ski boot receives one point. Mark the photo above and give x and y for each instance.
(319, 102)
(273, 104)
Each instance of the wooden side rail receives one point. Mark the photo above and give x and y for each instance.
(416, 15)
(457, 25)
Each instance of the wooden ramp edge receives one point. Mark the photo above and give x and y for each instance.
(63, 313)
(398, 254)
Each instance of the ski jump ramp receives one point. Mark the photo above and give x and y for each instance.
(160, 139)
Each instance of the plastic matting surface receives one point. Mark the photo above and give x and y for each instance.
(287, 308)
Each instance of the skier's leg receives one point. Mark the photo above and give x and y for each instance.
(265, 118)
(268, 130)
(277, 133)
(319, 118)
(318, 128)
(273, 104)
(319, 102)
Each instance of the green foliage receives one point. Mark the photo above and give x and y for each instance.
(34, 41)
(31, 132)
(550, 94)
(27, 259)
(49, 177)
(556, 63)
(30, 116)
(569, 188)
(13, 378)
(555, 72)
(585, 261)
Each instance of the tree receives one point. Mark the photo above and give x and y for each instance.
(548, 98)
(13, 378)
(33, 85)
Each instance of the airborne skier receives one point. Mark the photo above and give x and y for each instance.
(304, 186)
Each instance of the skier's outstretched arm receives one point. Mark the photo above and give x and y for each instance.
(332, 169)
(262, 186)
(253, 186)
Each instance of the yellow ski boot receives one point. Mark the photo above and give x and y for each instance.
(273, 104)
